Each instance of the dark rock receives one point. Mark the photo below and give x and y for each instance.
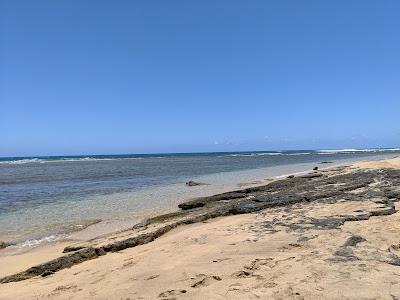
(243, 208)
(393, 259)
(361, 217)
(202, 201)
(290, 176)
(47, 273)
(194, 183)
(312, 175)
(55, 265)
(100, 251)
(328, 222)
(3, 245)
(285, 192)
(353, 241)
(192, 204)
(387, 257)
(315, 168)
(346, 254)
(305, 238)
(326, 162)
(384, 212)
(266, 198)
(392, 194)
(72, 248)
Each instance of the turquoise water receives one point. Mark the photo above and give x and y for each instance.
(45, 198)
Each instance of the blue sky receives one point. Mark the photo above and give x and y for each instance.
(80, 77)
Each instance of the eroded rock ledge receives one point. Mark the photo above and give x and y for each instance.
(340, 184)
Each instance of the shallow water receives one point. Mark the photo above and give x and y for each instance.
(46, 198)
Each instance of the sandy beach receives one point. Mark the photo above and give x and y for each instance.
(199, 150)
(330, 234)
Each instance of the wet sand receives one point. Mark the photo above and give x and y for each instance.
(332, 235)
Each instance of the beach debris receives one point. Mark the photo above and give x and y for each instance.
(315, 168)
(290, 176)
(3, 245)
(194, 183)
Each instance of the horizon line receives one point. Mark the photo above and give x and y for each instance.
(207, 152)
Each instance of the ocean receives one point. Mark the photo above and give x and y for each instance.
(44, 199)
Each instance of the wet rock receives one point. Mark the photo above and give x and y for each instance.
(192, 204)
(315, 168)
(55, 265)
(290, 176)
(326, 162)
(194, 183)
(312, 175)
(202, 201)
(47, 273)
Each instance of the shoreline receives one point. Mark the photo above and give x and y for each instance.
(10, 257)
(340, 219)
(103, 227)
(40, 253)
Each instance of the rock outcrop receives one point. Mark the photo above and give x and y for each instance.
(194, 183)
(332, 186)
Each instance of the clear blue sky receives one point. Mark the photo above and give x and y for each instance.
(80, 77)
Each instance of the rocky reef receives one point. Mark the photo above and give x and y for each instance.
(336, 185)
